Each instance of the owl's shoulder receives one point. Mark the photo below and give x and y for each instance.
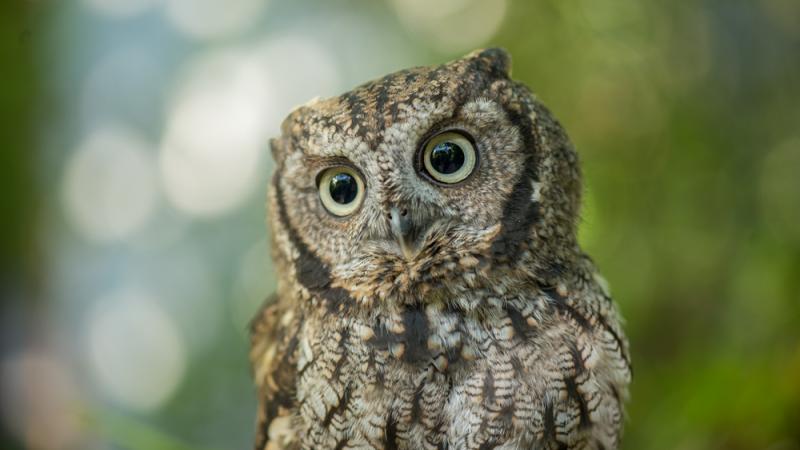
(274, 340)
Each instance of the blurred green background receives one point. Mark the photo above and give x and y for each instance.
(135, 168)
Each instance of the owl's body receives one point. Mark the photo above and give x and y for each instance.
(432, 293)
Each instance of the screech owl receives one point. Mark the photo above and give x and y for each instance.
(432, 293)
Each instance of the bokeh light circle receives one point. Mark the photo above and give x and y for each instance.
(216, 134)
(452, 26)
(109, 189)
(207, 19)
(135, 350)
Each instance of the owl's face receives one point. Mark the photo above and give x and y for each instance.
(417, 179)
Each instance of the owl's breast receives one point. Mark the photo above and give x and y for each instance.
(517, 374)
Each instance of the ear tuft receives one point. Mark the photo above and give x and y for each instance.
(496, 61)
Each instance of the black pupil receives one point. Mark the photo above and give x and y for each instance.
(447, 157)
(343, 188)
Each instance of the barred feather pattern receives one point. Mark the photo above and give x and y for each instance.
(543, 372)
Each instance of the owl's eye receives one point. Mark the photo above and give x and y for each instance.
(449, 157)
(341, 190)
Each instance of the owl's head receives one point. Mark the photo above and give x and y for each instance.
(446, 177)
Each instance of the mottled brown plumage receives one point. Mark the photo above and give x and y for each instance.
(489, 329)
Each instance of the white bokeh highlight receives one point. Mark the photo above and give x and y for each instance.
(109, 189)
(216, 134)
(208, 19)
(135, 350)
(228, 104)
(452, 26)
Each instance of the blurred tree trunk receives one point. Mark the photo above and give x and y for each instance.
(19, 82)
(18, 202)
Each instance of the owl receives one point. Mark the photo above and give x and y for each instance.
(432, 293)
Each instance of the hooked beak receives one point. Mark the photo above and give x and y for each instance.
(404, 231)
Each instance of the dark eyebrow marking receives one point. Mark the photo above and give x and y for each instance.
(310, 271)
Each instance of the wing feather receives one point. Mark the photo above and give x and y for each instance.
(273, 357)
